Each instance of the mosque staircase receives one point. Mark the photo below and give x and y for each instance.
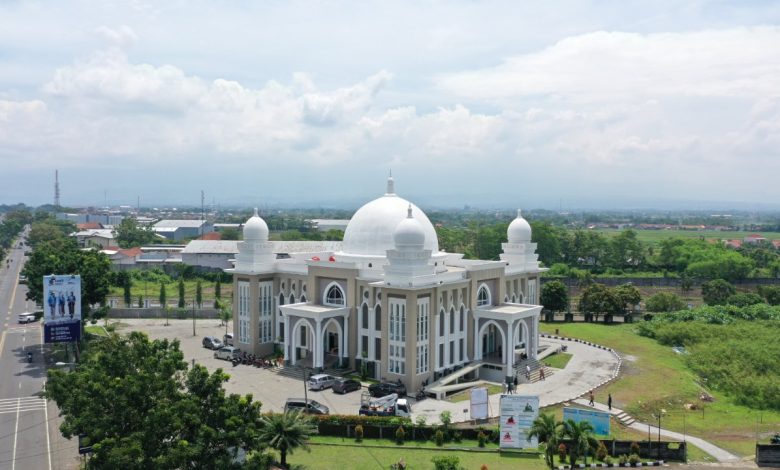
(536, 368)
(448, 383)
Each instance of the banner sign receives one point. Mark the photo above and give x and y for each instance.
(61, 308)
(598, 419)
(479, 403)
(517, 415)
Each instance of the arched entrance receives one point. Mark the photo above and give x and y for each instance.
(492, 341)
(521, 341)
(331, 343)
(303, 343)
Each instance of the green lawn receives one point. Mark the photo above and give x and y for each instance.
(557, 360)
(465, 395)
(366, 457)
(656, 236)
(654, 377)
(96, 330)
(151, 290)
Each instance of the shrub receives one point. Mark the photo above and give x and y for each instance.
(446, 462)
(457, 436)
(260, 460)
(635, 448)
(608, 460)
(420, 421)
(664, 302)
(439, 438)
(623, 459)
(634, 459)
(400, 465)
(358, 433)
(601, 452)
(481, 439)
(744, 299)
(400, 434)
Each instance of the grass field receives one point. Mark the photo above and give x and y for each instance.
(96, 330)
(557, 361)
(654, 237)
(151, 290)
(466, 395)
(653, 377)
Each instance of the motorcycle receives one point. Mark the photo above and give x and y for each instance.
(420, 395)
(29, 357)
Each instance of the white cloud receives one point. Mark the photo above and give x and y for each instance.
(122, 36)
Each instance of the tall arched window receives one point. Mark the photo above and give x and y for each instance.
(303, 298)
(364, 317)
(334, 295)
(452, 320)
(281, 299)
(292, 298)
(378, 318)
(462, 318)
(483, 296)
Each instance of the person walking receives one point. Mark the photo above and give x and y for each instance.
(609, 402)
(527, 372)
(541, 373)
(515, 383)
(590, 400)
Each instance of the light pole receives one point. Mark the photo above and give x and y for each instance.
(193, 318)
(660, 413)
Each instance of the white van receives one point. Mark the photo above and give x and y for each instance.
(26, 317)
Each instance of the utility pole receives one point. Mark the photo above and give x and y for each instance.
(57, 188)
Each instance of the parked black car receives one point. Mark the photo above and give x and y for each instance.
(346, 385)
(386, 388)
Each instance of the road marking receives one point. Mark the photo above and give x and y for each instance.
(46, 420)
(16, 434)
(2, 342)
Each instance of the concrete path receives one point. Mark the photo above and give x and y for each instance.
(720, 454)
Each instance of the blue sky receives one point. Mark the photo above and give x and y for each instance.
(574, 104)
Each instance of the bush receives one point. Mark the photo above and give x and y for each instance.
(717, 291)
(260, 460)
(400, 465)
(634, 459)
(601, 452)
(608, 460)
(420, 421)
(400, 434)
(446, 462)
(635, 448)
(439, 438)
(481, 439)
(623, 459)
(664, 302)
(358, 433)
(744, 299)
(457, 436)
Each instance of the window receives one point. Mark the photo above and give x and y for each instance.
(281, 299)
(441, 324)
(441, 355)
(483, 296)
(292, 298)
(378, 318)
(334, 295)
(452, 321)
(265, 333)
(303, 336)
(377, 349)
(462, 319)
(460, 359)
(364, 345)
(303, 298)
(364, 317)
(423, 319)
(397, 338)
(243, 312)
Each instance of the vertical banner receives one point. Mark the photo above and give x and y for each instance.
(61, 308)
(479, 403)
(517, 415)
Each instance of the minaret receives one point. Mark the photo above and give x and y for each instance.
(390, 185)
(409, 264)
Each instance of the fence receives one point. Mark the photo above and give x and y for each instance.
(157, 312)
(768, 455)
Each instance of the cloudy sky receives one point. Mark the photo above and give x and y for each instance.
(574, 104)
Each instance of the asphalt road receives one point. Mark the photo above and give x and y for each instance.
(29, 435)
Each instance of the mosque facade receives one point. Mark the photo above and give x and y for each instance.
(389, 301)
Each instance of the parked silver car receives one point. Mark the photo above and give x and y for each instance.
(321, 381)
(227, 353)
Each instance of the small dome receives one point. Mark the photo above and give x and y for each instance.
(255, 228)
(519, 230)
(409, 233)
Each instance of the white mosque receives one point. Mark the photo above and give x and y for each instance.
(389, 299)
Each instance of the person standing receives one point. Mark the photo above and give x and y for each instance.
(527, 372)
(52, 303)
(590, 400)
(71, 304)
(609, 402)
(515, 383)
(541, 373)
(61, 300)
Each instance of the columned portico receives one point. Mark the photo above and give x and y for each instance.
(327, 337)
(508, 320)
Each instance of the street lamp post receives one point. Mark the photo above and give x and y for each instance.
(305, 388)
(660, 412)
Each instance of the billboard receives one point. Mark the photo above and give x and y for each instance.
(61, 308)
(517, 415)
(598, 419)
(479, 403)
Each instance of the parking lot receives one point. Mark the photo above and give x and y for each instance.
(265, 385)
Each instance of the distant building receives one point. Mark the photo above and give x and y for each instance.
(159, 255)
(122, 257)
(754, 239)
(102, 238)
(210, 253)
(182, 229)
(102, 219)
(323, 225)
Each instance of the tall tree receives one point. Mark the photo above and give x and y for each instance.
(163, 294)
(285, 432)
(598, 299)
(130, 234)
(181, 293)
(717, 291)
(555, 296)
(140, 407)
(628, 296)
(199, 294)
(217, 293)
(580, 436)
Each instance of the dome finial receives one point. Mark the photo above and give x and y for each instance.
(409, 212)
(256, 214)
(390, 184)
(519, 214)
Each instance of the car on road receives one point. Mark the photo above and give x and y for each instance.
(212, 342)
(227, 353)
(309, 406)
(320, 381)
(228, 339)
(386, 388)
(22, 279)
(346, 385)
(26, 317)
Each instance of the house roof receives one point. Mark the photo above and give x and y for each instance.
(89, 226)
(131, 252)
(211, 236)
(172, 223)
(211, 246)
(100, 232)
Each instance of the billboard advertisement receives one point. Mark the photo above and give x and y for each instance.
(517, 415)
(479, 403)
(62, 308)
(598, 419)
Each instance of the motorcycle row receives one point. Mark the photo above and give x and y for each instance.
(253, 360)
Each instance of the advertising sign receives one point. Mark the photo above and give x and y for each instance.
(517, 415)
(61, 308)
(479, 403)
(598, 419)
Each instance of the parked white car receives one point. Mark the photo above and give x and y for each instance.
(227, 353)
(26, 317)
(321, 381)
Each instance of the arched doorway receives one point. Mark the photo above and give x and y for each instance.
(492, 343)
(521, 341)
(303, 343)
(331, 344)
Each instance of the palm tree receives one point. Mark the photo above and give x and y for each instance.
(547, 430)
(285, 432)
(581, 439)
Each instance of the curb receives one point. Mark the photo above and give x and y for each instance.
(655, 463)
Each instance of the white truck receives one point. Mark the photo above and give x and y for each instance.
(388, 405)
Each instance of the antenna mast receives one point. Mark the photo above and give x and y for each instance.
(57, 188)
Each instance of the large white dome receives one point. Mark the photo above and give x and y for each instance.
(255, 229)
(519, 231)
(371, 229)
